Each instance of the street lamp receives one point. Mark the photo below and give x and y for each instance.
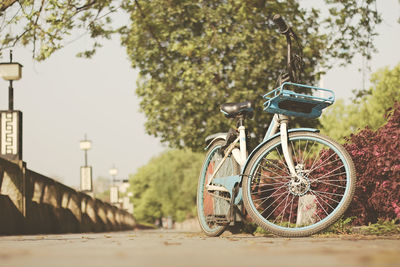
(85, 145)
(11, 120)
(113, 189)
(11, 71)
(86, 171)
(113, 172)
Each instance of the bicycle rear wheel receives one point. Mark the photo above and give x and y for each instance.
(299, 207)
(213, 207)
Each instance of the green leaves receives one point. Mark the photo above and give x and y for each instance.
(369, 110)
(166, 186)
(195, 55)
(46, 26)
(211, 53)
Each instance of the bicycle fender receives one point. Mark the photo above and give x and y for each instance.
(272, 137)
(213, 138)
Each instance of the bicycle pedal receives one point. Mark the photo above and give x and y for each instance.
(218, 219)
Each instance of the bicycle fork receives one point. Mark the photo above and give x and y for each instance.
(281, 122)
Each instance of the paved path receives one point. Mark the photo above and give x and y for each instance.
(172, 248)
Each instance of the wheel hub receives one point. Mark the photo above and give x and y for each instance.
(300, 184)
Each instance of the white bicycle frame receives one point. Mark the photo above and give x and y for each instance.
(240, 154)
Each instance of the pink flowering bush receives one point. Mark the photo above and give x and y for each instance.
(376, 155)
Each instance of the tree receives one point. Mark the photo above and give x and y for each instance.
(166, 186)
(101, 188)
(369, 110)
(195, 55)
(47, 25)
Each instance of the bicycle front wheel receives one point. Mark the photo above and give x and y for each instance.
(213, 206)
(302, 205)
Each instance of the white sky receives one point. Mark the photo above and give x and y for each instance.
(65, 97)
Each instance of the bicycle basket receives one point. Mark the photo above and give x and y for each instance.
(290, 103)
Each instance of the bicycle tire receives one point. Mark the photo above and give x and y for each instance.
(312, 203)
(207, 204)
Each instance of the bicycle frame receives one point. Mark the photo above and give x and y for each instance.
(241, 155)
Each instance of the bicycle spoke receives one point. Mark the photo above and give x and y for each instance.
(326, 164)
(332, 184)
(294, 152)
(324, 200)
(288, 194)
(275, 183)
(266, 198)
(273, 202)
(328, 176)
(305, 150)
(272, 195)
(309, 151)
(291, 208)
(267, 170)
(283, 161)
(319, 166)
(269, 162)
(273, 177)
(329, 193)
(317, 158)
(266, 190)
(316, 213)
(283, 211)
(325, 196)
(331, 172)
(321, 205)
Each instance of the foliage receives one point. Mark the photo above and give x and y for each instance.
(342, 226)
(101, 188)
(104, 196)
(337, 121)
(341, 120)
(381, 227)
(195, 55)
(166, 186)
(46, 25)
(376, 158)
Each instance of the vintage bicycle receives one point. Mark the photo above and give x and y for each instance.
(295, 183)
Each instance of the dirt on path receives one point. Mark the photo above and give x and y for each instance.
(177, 248)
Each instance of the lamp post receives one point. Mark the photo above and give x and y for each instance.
(86, 171)
(11, 120)
(114, 189)
(11, 71)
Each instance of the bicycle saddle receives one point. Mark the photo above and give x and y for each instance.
(235, 109)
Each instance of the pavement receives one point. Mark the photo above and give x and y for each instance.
(179, 248)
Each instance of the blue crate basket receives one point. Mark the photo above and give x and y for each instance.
(290, 103)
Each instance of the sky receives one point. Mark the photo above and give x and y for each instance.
(65, 97)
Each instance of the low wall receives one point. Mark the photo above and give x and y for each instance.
(31, 203)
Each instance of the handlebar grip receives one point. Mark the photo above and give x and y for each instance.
(278, 20)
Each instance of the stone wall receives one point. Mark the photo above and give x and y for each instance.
(31, 203)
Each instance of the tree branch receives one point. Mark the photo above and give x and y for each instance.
(85, 6)
(6, 4)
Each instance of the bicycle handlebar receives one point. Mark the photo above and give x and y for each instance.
(289, 33)
(278, 20)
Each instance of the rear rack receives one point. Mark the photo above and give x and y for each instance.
(290, 103)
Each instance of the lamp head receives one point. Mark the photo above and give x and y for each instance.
(10, 71)
(85, 144)
(113, 171)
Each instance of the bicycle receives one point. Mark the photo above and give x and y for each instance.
(296, 182)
